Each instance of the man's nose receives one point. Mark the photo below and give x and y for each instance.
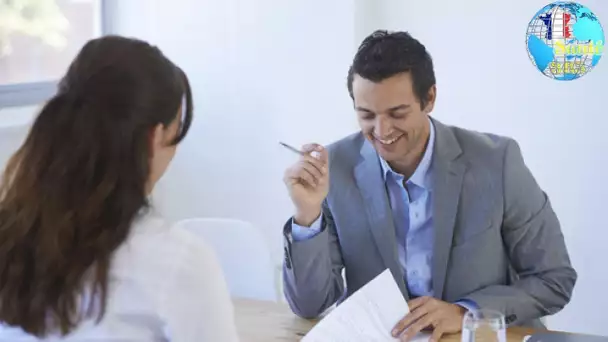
(383, 128)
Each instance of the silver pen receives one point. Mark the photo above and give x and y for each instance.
(292, 149)
(314, 154)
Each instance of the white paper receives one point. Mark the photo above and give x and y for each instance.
(367, 315)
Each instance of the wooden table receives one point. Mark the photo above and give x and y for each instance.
(261, 321)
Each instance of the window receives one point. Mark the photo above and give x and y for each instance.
(38, 40)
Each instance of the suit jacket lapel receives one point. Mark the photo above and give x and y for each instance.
(448, 174)
(368, 176)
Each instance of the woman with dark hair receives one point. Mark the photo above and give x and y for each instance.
(83, 256)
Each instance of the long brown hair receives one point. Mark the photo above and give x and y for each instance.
(71, 192)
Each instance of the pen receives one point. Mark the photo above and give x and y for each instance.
(314, 154)
(291, 148)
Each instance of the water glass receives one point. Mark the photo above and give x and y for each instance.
(484, 326)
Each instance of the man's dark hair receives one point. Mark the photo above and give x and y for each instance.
(384, 54)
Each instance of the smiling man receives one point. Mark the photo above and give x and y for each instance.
(454, 214)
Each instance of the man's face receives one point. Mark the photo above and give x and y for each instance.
(390, 116)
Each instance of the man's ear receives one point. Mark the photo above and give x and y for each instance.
(431, 96)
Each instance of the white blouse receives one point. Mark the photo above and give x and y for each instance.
(165, 285)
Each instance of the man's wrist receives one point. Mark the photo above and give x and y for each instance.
(306, 219)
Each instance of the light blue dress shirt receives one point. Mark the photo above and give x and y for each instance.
(412, 209)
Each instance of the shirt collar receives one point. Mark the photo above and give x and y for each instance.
(421, 176)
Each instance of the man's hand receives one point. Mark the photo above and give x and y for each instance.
(308, 183)
(430, 313)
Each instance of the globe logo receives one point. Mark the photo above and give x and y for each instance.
(565, 40)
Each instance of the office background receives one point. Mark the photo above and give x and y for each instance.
(265, 71)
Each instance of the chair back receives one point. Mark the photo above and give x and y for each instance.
(243, 254)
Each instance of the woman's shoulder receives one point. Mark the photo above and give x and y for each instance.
(152, 227)
(185, 257)
(194, 299)
(154, 240)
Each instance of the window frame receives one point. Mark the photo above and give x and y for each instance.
(33, 93)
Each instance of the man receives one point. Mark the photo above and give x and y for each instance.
(454, 214)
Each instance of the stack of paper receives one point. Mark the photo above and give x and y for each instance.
(367, 315)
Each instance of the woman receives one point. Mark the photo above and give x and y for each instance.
(82, 255)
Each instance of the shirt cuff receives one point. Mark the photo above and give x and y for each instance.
(468, 304)
(299, 233)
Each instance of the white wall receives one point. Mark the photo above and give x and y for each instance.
(561, 126)
(262, 71)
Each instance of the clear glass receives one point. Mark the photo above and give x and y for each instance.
(484, 326)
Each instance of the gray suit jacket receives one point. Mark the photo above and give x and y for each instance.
(497, 240)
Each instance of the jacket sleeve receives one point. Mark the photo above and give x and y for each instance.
(312, 269)
(535, 245)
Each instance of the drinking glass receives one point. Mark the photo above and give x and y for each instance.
(484, 326)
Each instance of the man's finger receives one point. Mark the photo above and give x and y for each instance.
(408, 320)
(417, 327)
(417, 302)
(437, 332)
(316, 151)
(308, 148)
(418, 308)
(320, 165)
(298, 174)
(312, 169)
(323, 155)
(304, 177)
